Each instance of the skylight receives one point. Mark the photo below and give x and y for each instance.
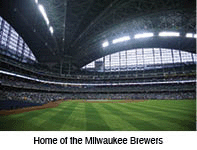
(122, 39)
(169, 34)
(143, 35)
(142, 58)
(42, 10)
(16, 45)
(51, 29)
(189, 35)
(105, 44)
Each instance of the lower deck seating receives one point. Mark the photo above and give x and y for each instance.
(12, 104)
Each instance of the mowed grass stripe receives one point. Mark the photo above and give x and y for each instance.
(186, 105)
(176, 112)
(23, 121)
(115, 122)
(74, 116)
(28, 121)
(182, 122)
(18, 121)
(153, 119)
(180, 104)
(58, 118)
(38, 122)
(77, 120)
(171, 121)
(166, 109)
(138, 121)
(94, 121)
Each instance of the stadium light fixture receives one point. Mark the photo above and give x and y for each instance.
(51, 29)
(169, 34)
(195, 35)
(36, 1)
(189, 35)
(42, 10)
(122, 39)
(143, 35)
(105, 44)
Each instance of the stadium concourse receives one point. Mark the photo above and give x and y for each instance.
(98, 50)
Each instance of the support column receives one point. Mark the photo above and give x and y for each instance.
(154, 60)
(8, 38)
(181, 61)
(172, 54)
(180, 56)
(22, 55)
(1, 30)
(136, 61)
(104, 64)
(192, 58)
(69, 67)
(61, 66)
(126, 61)
(119, 62)
(18, 41)
(143, 61)
(63, 52)
(161, 60)
(64, 31)
(110, 62)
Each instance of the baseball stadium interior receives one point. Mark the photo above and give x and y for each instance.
(54, 50)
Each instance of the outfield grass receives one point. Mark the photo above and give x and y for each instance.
(152, 115)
